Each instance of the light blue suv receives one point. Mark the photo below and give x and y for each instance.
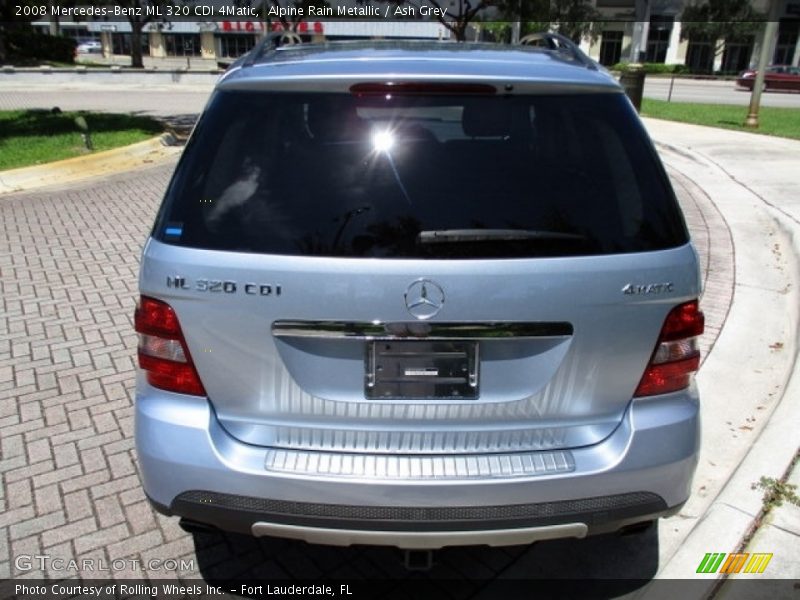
(418, 295)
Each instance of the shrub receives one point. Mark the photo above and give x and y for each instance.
(30, 45)
(654, 68)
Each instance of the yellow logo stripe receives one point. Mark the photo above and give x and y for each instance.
(758, 562)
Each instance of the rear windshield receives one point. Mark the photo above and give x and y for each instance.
(420, 177)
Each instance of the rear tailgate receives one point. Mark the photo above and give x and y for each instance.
(562, 378)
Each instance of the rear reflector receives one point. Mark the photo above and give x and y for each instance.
(162, 349)
(421, 89)
(171, 376)
(676, 356)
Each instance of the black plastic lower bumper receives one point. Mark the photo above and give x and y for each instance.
(238, 513)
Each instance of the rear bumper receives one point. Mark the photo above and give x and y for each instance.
(192, 468)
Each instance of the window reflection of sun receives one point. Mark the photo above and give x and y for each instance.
(382, 140)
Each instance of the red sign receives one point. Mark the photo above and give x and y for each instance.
(241, 26)
(303, 27)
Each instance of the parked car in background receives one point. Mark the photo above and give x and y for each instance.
(777, 77)
(90, 47)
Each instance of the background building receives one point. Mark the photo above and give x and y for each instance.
(230, 38)
(650, 31)
(630, 31)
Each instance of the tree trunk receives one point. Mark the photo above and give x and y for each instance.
(136, 44)
(55, 25)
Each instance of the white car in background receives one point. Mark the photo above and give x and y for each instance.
(90, 47)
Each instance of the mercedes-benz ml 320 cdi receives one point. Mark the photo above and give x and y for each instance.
(418, 295)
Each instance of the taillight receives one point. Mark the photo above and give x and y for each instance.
(162, 349)
(676, 356)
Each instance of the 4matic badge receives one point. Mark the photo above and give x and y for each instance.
(224, 286)
(647, 289)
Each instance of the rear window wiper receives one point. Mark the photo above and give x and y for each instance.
(449, 236)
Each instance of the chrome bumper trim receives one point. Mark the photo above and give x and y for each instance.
(419, 330)
(420, 540)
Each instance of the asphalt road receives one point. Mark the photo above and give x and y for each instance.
(177, 104)
(714, 92)
(181, 104)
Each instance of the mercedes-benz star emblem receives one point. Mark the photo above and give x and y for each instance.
(424, 298)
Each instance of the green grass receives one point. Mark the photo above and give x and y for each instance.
(32, 137)
(782, 122)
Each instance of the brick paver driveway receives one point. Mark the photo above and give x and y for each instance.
(68, 483)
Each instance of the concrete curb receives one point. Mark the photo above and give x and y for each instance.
(112, 75)
(91, 165)
(765, 308)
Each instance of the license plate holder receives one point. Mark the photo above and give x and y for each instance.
(421, 370)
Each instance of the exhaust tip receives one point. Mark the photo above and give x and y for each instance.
(636, 528)
(190, 526)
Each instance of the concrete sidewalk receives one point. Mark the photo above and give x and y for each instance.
(751, 380)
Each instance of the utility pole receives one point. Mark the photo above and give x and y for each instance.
(55, 25)
(516, 25)
(641, 29)
(767, 48)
